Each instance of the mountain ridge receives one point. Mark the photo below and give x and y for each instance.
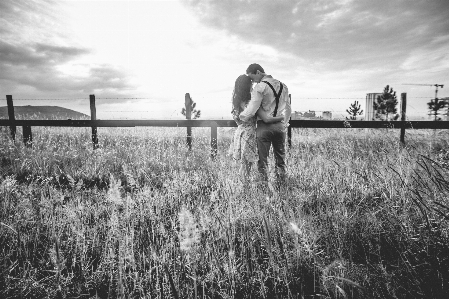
(42, 112)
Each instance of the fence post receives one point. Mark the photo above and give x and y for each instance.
(289, 130)
(27, 136)
(93, 116)
(11, 116)
(188, 104)
(403, 114)
(213, 140)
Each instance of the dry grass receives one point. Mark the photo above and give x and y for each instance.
(361, 216)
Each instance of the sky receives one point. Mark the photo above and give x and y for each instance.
(141, 57)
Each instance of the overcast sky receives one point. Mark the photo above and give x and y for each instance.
(141, 57)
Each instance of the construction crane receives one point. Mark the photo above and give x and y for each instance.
(436, 87)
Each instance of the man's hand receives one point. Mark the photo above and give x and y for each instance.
(286, 125)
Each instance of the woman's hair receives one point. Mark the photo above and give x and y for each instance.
(242, 92)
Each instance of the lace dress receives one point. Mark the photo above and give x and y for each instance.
(244, 146)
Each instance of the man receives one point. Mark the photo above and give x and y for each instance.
(270, 95)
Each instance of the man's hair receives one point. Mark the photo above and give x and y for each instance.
(253, 68)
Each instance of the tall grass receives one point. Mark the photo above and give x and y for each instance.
(360, 216)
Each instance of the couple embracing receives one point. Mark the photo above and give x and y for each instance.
(262, 114)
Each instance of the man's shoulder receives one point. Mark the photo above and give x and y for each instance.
(269, 79)
(274, 82)
(260, 86)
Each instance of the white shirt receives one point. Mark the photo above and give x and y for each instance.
(262, 96)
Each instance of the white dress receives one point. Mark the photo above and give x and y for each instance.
(243, 146)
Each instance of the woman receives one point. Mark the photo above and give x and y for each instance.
(243, 147)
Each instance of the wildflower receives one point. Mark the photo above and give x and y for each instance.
(188, 233)
(205, 221)
(214, 196)
(9, 184)
(295, 228)
(114, 192)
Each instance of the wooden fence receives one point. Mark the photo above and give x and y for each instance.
(213, 124)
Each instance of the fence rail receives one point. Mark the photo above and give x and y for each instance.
(348, 124)
(213, 124)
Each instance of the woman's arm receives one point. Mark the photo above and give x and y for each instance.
(266, 118)
(236, 117)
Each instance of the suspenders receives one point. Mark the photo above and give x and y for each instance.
(276, 95)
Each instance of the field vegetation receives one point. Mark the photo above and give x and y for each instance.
(360, 216)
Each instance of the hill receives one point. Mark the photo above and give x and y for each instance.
(42, 112)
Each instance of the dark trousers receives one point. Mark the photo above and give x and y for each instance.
(267, 135)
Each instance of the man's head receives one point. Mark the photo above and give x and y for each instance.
(255, 72)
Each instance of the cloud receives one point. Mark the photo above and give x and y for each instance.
(39, 66)
(22, 20)
(335, 34)
(36, 56)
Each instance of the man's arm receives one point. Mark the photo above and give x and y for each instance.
(253, 105)
(288, 106)
(288, 111)
(268, 119)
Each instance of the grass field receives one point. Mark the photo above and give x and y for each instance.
(360, 216)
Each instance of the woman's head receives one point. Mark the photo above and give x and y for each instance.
(242, 92)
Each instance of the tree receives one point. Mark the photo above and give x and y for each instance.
(386, 103)
(195, 113)
(435, 105)
(188, 111)
(354, 110)
(380, 107)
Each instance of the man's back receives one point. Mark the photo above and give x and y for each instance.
(263, 96)
(269, 98)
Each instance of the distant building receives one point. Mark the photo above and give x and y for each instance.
(296, 115)
(309, 114)
(327, 115)
(370, 113)
(304, 115)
